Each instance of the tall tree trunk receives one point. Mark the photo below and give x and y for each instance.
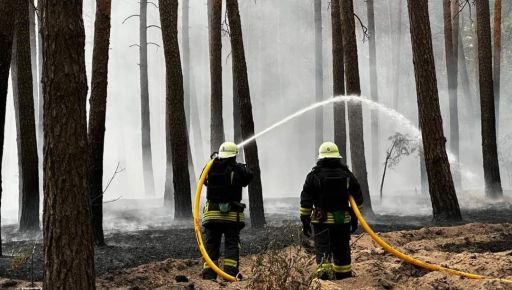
(7, 8)
(319, 73)
(396, 57)
(33, 56)
(176, 124)
(68, 245)
(451, 69)
(97, 112)
(241, 83)
(489, 148)
(186, 82)
(445, 205)
(338, 77)
(25, 121)
(40, 91)
(464, 76)
(373, 90)
(215, 38)
(497, 61)
(147, 156)
(186, 57)
(355, 110)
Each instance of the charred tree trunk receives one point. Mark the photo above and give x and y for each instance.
(442, 191)
(451, 72)
(25, 121)
(489, 148)
(373, 90)
(147, 156)
(241, 83)
(215, 37)
(355, 110)
(97, 112)
(319, 73)
(176, 124)
(338, 77)
(7, 8)
(497, 61)
(68, 245)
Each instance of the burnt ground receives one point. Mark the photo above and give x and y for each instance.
(135, 247)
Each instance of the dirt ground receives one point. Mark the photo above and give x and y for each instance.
(485, 249)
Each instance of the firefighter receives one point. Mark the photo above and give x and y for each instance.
(324, 203)
(223, 213)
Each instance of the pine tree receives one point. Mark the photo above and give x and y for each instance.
(445, 205)
(67, 236)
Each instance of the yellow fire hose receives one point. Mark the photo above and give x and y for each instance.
(410, 259)
(366, 227)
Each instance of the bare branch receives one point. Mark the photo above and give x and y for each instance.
(113, 200)
(133, 15)
(155, 26)
(117, 171)
(363, 28)
(156, 6)
(227, 57)
(156, 44)
(225, 25)
(134, 45)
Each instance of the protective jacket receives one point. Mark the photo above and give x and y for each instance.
(326, 190)
(225, 181)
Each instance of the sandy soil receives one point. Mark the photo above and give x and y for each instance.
(485, 249)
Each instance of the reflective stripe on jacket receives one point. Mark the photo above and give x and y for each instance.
(217, 215)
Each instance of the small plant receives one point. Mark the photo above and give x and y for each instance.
(20, 258)
(285, 269)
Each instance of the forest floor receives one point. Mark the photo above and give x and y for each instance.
(277, 257)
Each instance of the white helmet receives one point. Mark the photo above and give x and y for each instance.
(328, 150)
(228, 150)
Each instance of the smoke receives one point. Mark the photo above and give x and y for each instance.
(279, 46)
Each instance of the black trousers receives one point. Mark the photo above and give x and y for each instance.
(332, 247)
(213, 232)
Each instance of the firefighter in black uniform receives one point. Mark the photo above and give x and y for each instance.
(223, 212)
(324, 203)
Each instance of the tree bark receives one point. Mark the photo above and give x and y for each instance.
(445, 205)
(497, 61)
(33, 58)
(7, 8)
(373, 90)
(176, 124)
(215, 38)
(241, 83)
(338, 77)
(97, 112)
(25, 121)
(147, 156)
(355, 110)
(319, 73)
(450, 41)
(68, 246)
(489, 148)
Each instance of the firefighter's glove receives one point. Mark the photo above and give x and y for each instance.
(306, 225)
